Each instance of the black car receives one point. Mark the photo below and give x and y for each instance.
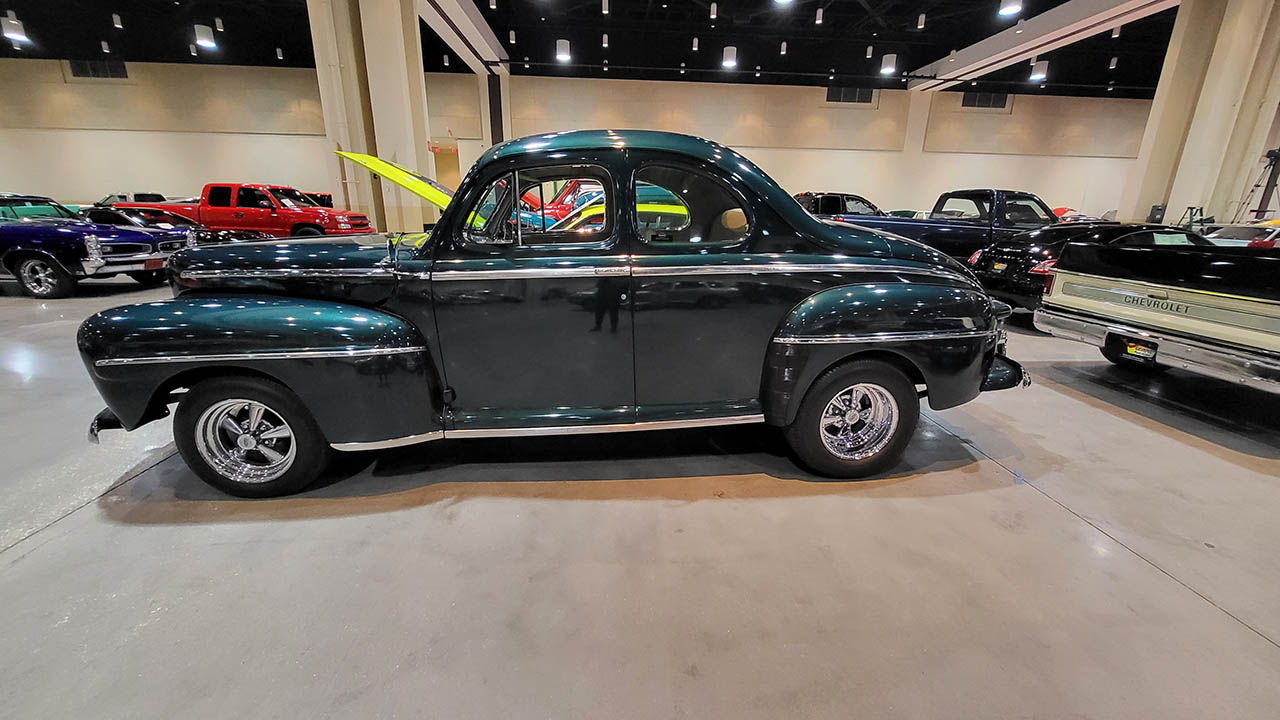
(155, 220)
(1016, 270)
(833, 205)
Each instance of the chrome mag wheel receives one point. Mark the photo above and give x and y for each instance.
(859, 421)
(39, 276)
(245, 441)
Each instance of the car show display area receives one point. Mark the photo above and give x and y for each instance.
(1016, 562)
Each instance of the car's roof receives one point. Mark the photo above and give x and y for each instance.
(23, 196)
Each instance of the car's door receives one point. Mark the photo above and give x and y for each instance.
(254, 210)
(967, 218)
(216, 209)
(535, 325)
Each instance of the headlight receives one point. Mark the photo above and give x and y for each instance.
(191, 238)
(93, 247)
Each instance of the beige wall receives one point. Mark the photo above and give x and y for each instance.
(173, 127)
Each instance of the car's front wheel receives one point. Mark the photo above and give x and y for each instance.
(147, 277)
(43, 278)
(856, 420)
(249, 437)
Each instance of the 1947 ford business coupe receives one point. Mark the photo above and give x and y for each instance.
(724, 303)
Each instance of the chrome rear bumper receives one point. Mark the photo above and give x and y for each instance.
(1258, 369)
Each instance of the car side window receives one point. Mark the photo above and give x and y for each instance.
(1025, 212)
(963, 207)
(1150, 238)
(676, 206)
(854, 205)
(247, 197)
(220, 196)
(589, 221)
(107, 218)
(830, 205)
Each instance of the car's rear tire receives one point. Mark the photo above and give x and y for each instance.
(282, 453)
(307, 231)
(147, 277)
(833, 440)
(44, 278)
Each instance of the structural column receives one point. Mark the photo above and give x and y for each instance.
(1212, 111)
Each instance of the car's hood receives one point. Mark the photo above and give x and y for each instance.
(323, 255)
(420, 185)
(53, 227)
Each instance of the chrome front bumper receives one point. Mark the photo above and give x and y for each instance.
(1259, 369)
(128, 263)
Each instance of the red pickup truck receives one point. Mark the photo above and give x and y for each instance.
(273, 209)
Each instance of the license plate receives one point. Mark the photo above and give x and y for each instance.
(153, 264)
(1139, 350)
(999, 267)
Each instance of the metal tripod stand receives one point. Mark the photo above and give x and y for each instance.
(1267, 180)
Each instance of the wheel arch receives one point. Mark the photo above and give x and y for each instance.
(301, 225)
(10, 259)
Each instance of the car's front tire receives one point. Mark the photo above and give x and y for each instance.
(856, 420)
(41, 277)
(147, 277)
(249, 437)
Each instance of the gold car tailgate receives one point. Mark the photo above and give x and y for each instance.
(1235, 320)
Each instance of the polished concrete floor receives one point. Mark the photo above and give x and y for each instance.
(1097, 546)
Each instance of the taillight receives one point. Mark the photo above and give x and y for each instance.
(1044, 268)
(973, 259)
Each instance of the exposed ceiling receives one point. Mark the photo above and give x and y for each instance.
(648, 39)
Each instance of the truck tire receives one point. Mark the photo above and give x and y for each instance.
(307, 231)
(42, 277)
(249, 437)
(855, 420)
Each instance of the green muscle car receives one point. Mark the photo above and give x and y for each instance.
(722, 303)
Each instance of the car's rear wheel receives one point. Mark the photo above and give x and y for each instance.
(249, 437)
(148, 277)
(41, 277)
(856, 420)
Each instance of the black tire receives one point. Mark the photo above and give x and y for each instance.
(44, 278)
(148, 277)
(806, 433)
(1124, 361)
(198, 414)
(307, 231)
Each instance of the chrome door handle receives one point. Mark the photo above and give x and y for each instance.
(237, 214)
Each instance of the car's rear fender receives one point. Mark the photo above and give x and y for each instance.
(941, 336)
(366, 375)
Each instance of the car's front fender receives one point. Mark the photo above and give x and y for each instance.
(366, 375)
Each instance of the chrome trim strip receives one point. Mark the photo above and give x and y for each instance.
(288, 272)
(885, 337)
(268, 355)
(1166, 288)
(615, 427)
(779, 268)
(527, 273)
(387, 444)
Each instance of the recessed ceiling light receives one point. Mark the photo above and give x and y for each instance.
(817, 18)
(604, 7)
(193, 49)
(681, 68)
(526, 62)
(511, 37)
(562, 50)
(869, 52)
(920, 22)
(1040, 70)
(713, 11)
(889, 64)
(695, 44)
(757, 71)
(279, 53)
(952, 56)
(1010, 7)
(1115, 32)
(115, 20)
(14, 30)
(783, 51)
(217, 23)
(606, 66)
(604, 40)
(1114, 61)
(106, 48)
(975, 82)
(493, 4)
(446, 60)
(1017, 29)
(730, 58)
(204, 37)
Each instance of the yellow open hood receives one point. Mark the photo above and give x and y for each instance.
(425, 188)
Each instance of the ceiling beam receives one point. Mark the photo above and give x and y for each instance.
(462, 27)
(1063, 25)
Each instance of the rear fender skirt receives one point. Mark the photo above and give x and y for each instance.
(364, 374)
(943, 337)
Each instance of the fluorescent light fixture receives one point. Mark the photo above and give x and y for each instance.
(920, 22)
(193, 49)
(1114, 61)
(870, 52)
(204, 37)
(713, 11)
(817, 18)
(446, 60)
(217, 23)
(14, 30)
(1017, 29)
(730, 59)
(889, 64)
(952, 56)
(783, 51)
(781, 2)
(493, 4)
(115, 20)
(1010, 7)
(1040, 70)
(695, 44)
(562, 50)
(604, 40)
(106, 48)
(279, 53)
(604, 7)
(1115, 32)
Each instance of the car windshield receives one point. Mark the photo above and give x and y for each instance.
(158, 218)
(289, 197)
(30, 209)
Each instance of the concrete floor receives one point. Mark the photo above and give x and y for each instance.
(1097, 546)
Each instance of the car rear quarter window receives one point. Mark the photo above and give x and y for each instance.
(680, 207)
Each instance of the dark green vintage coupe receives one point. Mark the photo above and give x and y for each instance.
(720, 302)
